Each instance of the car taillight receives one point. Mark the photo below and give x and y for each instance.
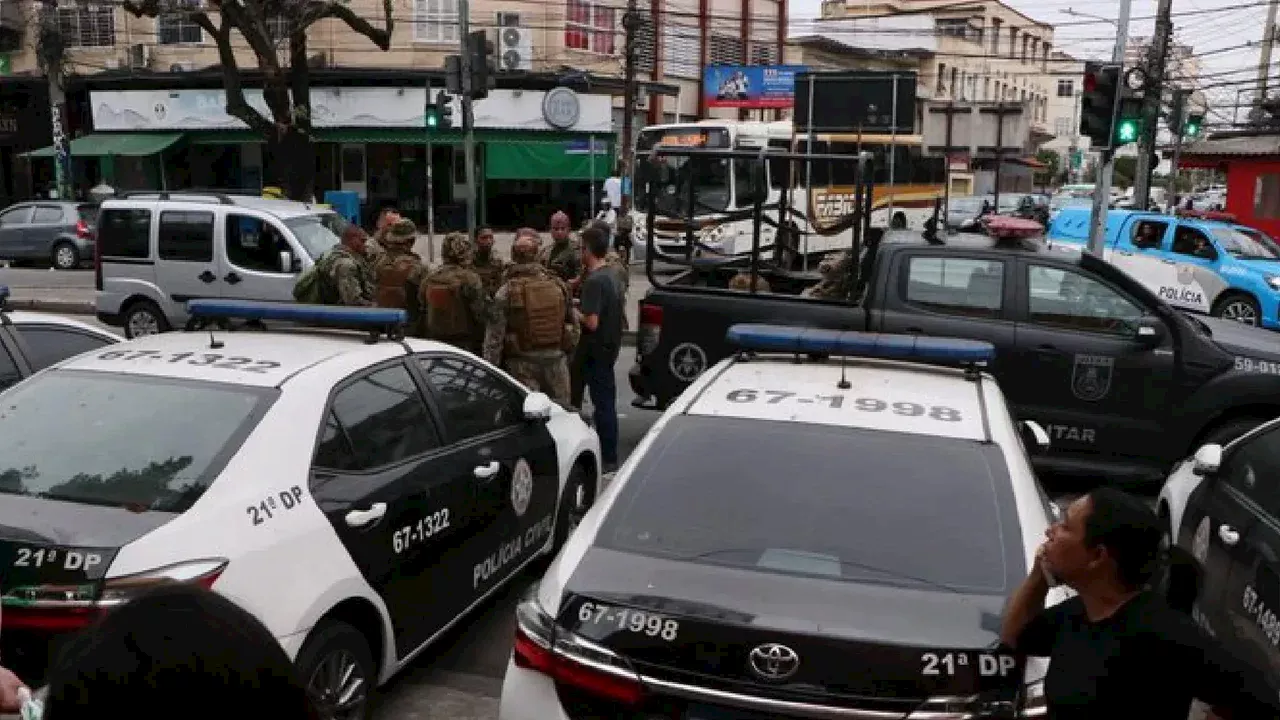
(650, 330)
(570, 660)
(59, 608)
(82, 230)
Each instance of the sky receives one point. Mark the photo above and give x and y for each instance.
(1224, 34)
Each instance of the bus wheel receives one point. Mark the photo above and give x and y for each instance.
(899, 222)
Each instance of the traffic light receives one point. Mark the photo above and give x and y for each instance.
(484, 68)
(432, 116)
(1195, 120)
(1128, 122)
(444, 110)
(1098, 102)
(453, 74)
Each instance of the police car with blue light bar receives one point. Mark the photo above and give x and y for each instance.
(800, 538)
(357, 491)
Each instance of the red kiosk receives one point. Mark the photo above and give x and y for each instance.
(1251, 161)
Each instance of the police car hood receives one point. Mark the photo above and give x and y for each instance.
(851, 637)
(1237, 338)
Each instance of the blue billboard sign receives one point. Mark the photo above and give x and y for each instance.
(754, 87)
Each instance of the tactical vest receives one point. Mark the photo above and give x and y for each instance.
(536, 314)
(393, 274)
(490, 274)
(447, 316)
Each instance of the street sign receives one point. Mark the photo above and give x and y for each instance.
(1077, 159)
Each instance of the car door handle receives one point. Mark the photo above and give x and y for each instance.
(232, 278)
(361, 518)
(486, 472)
(1228, 535)
(207, 276)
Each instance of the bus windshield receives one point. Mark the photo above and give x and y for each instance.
(674, 176)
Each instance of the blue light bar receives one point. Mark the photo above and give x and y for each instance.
(792, 339)
(331, 315)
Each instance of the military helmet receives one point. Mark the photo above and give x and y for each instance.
(403, 234)
(456, 249)
(524, 250)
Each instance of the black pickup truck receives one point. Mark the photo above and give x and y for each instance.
(1124, 384)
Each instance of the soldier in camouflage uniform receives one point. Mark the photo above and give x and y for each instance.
(387, 217)
(563, 256)
(486, 263)
(453, 297)
(399, 273)
(347, 278)
(531, 325)
(836, 280)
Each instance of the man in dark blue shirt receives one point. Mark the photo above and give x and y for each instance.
(600, 315)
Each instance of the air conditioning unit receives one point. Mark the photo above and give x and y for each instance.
(139, 57)
(514, 48)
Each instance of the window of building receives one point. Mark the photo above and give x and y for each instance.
(1066, 88)
(955, 80)
(88, 25)
(952, 27)
(590, 27)
(681, 57)
(1266, 196)
(175, 28)
(1013, 42)
(277, 27)
(995, 36)
(435, 21)
(942, 78)
(1062, 126)
(727, 50)
(646, 44)
(763, 54)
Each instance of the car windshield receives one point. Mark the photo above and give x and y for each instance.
(673, 175)
(1241, 246)
(834, 502)
(136, 442)
(318, 233)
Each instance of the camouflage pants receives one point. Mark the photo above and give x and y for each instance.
(548, 375)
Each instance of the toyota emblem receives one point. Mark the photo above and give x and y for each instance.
(772, 661)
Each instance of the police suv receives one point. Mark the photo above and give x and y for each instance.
(358, 497)
(851, 560)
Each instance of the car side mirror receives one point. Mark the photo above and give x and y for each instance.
(1034, 436)
(1207, 459)
(537, 406)
(1149, 332)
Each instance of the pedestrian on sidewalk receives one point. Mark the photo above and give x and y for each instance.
(600, 315)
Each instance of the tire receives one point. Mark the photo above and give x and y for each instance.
(1239, 307)
(577, 500)
(333, 648)
(1229, 430)
(143, 318)
(64, 256)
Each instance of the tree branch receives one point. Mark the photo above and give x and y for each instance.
(300, 81)
(238, 106)
(382, 38)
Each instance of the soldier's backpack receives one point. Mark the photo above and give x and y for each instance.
(537, 308)
(447, 316)
(309, 288)
(393, 275)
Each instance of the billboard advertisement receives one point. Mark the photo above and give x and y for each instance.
(856, 101)
(754, 87)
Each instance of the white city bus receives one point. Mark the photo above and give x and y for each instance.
(820, 196)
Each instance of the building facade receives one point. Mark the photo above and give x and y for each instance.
(1064, 116)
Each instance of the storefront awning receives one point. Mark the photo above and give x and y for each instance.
(114, 145)
(538, 159)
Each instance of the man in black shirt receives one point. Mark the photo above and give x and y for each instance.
(600, 315)
(1117, 650)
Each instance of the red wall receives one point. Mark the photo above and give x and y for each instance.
(1242, 179)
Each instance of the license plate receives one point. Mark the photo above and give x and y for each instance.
(26, 564)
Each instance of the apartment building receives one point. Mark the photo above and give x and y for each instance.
(1064, 113)
(372, 138)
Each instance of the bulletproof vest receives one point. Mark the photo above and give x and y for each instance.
(536, 313)
(447, 316)
(490, 274)
(393, 273)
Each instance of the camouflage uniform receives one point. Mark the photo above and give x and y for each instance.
(399, 273)
(836, 281)
(491, 270)
(453, 297)
(348, 279)
(742, 281)
(564, 259)
(521, 330)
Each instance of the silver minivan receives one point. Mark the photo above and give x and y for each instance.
(156, 251)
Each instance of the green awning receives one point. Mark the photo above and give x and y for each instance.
(114, 144)
(548, 159)
(223, 137)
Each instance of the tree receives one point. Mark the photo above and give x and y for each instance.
(1126, 167)
(1052, 166)
(286, 83)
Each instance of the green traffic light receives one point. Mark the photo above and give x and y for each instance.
(1127, 131)
(432, 120)
(1192, 129)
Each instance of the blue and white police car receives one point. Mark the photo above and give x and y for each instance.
(358, 496)
(800, 538)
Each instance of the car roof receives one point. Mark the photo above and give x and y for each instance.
(18, 317)
(886, 381)
(283, 209)
(967, 241)
(275, 357)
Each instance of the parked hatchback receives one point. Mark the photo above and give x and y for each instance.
(156, 251)
(49, 231)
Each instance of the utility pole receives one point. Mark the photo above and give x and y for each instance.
(630, 21)
(431, 189)
(1177, 125)
(468, 118)
(1264, 55)
(1106, 163)
(52, 52)
(1153, 94)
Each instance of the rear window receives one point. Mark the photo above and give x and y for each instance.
(138, 442)
(124, 233)
(88, 213)
(842, 503)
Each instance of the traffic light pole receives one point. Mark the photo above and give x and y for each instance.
(1153, 95)
(468, 119)
(1106, 164)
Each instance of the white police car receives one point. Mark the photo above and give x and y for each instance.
(799, 538)
(30, 342)
(359, 497)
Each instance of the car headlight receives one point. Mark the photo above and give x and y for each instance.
(1273, 281)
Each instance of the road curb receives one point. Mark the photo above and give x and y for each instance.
(63, 307)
